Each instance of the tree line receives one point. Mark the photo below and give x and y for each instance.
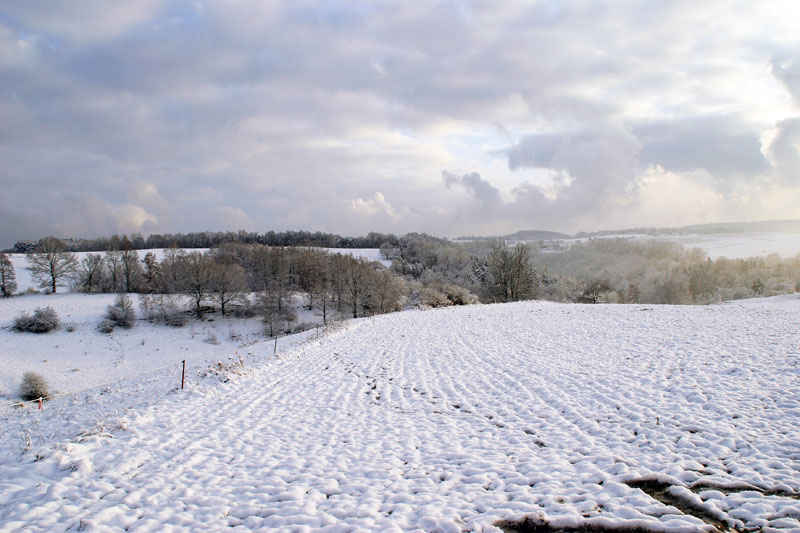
(424, 270)
(210, 239)
(230, 278)
(597, 270)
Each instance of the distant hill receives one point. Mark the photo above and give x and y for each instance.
(764, 226)
(523, 235)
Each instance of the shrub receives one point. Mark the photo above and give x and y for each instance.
(430, 297)
(445, 294)
(121, 314)
(162, 308)
(226, 371)
(105, 326)
(33, 387)
(44, 319)
(458, 295)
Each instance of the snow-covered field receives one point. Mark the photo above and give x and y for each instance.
(658, 417)
(741, 245)
(730, 245)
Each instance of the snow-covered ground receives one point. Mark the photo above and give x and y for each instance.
(443, 420)
(730, 245)
(369, 254)
(741, 245)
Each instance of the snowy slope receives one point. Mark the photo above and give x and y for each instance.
(730, 245)
(449, 420)
(73, 361)
(742, 245)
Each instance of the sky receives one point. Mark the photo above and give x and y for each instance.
(451, 118)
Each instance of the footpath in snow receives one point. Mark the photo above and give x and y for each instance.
(655, 417)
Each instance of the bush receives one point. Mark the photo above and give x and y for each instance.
(120, 314)
(33, 387)
(430, 297)
(162, 308)
(446, 294)
(44, 319)
(458, 295)
(106, 326)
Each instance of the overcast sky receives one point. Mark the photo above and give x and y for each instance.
(449, 117)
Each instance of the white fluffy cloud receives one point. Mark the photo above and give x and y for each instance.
(287, 115)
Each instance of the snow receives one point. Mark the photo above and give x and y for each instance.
(716, 245)
(742, 245)
(369, 254)
(441, 420)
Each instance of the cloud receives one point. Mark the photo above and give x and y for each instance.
(373, 206)
(88, 20)
(594, 165)
(481, 189)
(87, 213)
(234, 218)
(292, 114)
(786, 68)
(144, 193)
(720, 144)
(783, 150)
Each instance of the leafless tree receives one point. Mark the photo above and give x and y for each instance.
(113, 260)
(90, 272)
(51, 262)
(130, 266)
(195, 278)
(152, 273)
(8, 278)
(227, 284)
(511, 274)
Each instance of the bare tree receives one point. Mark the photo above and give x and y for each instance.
(130, 265)
(51, 262)
(8, 278)
(227, 284)
(152, 272)
(511, 275)
(388, 291)
(357, 284)
(171, 269)
(90, 272)
(113, 260)
(195, 278)
(592, 291)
